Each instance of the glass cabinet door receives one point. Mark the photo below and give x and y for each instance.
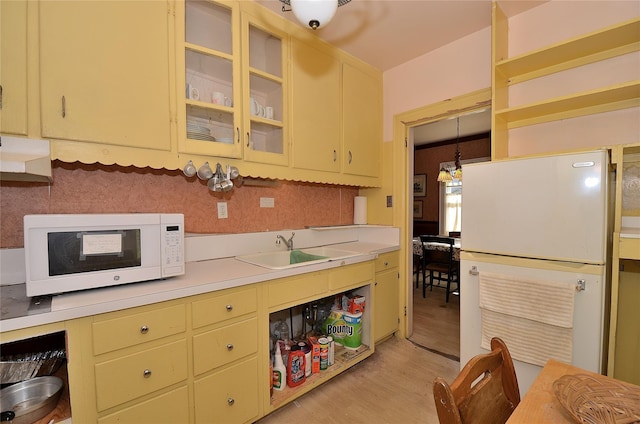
(264, 58)
(212, 90)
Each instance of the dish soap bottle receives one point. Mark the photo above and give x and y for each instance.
(279, 370)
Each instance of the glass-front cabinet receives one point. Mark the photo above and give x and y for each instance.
(234, 85)
(212, 107)
(264, 74)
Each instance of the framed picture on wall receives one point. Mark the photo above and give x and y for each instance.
(417, 209)
(420, 185)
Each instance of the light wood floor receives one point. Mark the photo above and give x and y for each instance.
(394, 385)
(436, 324)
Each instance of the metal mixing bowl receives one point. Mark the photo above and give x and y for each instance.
(31, 399)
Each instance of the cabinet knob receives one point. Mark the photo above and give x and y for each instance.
(146, 373)
(229, 347)
(386, 263)
(230, 401)
(229, 308)
(144, 329)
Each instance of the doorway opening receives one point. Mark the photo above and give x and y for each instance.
(431, 322)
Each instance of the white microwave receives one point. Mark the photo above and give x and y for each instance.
(76, 252)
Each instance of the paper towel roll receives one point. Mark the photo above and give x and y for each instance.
(359, 210)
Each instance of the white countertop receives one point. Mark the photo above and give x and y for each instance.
(202, 276)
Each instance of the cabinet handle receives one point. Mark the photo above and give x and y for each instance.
(229, 308)
(230, 401)
(0, 96)
(64, 107)
(238, 134)
(229, 347)
(248, 139)
(350, 157)
(335, 155)
(144, 329)
(146, 373)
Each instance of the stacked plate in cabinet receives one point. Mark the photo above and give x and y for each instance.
(198, 132)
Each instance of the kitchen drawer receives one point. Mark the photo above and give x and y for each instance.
(229, 396)
(130, 330)
(629, 248)
(387, 261)
(350, 276)
(168, 408)
(219, 308)
(131, 376)
(224, 345)
(297, 289)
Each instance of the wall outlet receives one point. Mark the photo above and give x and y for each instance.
(267, 202)
(222, 210)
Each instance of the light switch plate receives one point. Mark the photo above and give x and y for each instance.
(222, 210)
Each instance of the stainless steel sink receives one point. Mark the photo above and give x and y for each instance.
(297, 257)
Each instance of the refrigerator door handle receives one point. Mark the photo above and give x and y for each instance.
(581, 285)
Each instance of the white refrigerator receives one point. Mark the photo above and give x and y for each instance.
(540, 228)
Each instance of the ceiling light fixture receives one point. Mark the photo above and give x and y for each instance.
(454, 173)
(315, 13)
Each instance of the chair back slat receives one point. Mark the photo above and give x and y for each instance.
(485, 391)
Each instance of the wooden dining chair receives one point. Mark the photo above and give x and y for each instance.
(439, 264)
(489, 400)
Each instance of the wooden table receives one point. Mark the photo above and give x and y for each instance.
(540, 404)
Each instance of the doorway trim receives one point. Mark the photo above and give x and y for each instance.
(403, 182)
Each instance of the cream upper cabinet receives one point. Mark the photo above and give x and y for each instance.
(13, 67)
(104, 72)
(208, 61)
(362, 121)
(315, 108)
(265, 56)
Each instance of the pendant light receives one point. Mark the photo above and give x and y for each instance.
(315, 13)
(446, 175)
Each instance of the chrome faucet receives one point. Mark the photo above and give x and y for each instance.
(289, 242)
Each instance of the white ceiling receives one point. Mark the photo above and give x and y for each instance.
(388, 33)
(476, 122)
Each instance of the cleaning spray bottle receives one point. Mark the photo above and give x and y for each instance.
(279, 370)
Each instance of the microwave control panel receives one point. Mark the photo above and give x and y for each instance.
(172, 246)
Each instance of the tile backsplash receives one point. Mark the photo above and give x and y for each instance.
(80, 188)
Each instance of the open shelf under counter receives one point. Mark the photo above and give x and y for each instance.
(344, 359)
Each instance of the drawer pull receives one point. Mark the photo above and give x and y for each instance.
(230, 401)
(144, 329)
(146, 373)
(386, 263)
(229, 347)
(229, 308)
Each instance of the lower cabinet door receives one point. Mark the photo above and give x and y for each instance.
(229, 396)
(169, 408)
